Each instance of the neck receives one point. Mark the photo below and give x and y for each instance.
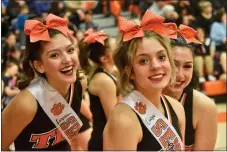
(109, 67)
(62, 88)
(177, 95)
(153, 97)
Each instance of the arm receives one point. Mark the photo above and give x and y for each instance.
(16, 116)
(11, 92)
(205, 115)
(85, 110)
(104, 87)
(123, 130)
(215, 33)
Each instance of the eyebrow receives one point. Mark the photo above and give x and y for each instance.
(68, 46)
(184, 62)
(146, 54)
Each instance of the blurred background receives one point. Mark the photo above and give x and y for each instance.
(206, 16)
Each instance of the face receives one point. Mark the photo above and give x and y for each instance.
(184, 63)
(151, 68)
(59, 60)
(13, 70)
(11, 40)
(208, 9)
(223, 18)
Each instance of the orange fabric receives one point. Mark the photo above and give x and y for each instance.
(38, 31)
(221, 117)
(212, 88)
(89, 5)
(115, 8)
(92, 37)
(150, 21)
(188, 33)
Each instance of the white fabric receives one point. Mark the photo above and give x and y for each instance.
(63, 116)
(155, 121)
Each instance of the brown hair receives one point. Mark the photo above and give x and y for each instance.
(92, 51)
(124, 58)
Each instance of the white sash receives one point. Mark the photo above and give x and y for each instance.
(56, 108)
(155, 121)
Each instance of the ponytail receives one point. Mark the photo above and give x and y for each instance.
(84, 57)
(27, 76)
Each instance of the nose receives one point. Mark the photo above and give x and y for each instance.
(66, 58)
(155, 64)
(179, 72)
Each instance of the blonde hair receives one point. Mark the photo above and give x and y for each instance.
(124, 58)
(203, 5)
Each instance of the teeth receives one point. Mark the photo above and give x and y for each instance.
(178, 82)
(157, 76)
(67, 68)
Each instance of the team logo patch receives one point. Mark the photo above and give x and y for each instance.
(141, 107)
(57, 109)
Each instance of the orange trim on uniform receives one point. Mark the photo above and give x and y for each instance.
(71, 94)
(167, 109)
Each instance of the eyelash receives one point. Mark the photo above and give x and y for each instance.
(187, 66)
(142, 61)
(162, 57)
(54, 55)
(71, 50)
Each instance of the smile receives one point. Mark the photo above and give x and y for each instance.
(67, 70)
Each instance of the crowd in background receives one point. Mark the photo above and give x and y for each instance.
(207, 17)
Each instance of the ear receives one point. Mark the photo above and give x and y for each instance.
(38, 66)
(104, 59)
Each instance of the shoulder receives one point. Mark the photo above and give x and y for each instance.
(101, 81)
(25, 102)
(202, 102)
(22, 108)
(177, 107)
(124, 119)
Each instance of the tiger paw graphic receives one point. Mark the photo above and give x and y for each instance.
(141, 107)
(57, 109)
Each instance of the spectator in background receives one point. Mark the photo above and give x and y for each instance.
(205, 19)
(218, 30)
(8, 44)
(170, 14)
(42, 7)
(9, 78)
(185, 13)
(88, 22)
(223, 65)
(13, 9)
(58, 8)
(204, 57)
(20, 20)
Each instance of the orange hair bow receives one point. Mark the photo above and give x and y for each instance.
(92, 37)
(150, 21)
(39, 31)
(188, 33)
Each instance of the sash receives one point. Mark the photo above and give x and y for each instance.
(155, 121)
(56, 108)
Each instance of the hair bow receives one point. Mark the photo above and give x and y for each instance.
(92, 37)
(150, 21)
(188, 33)
(39, 31)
